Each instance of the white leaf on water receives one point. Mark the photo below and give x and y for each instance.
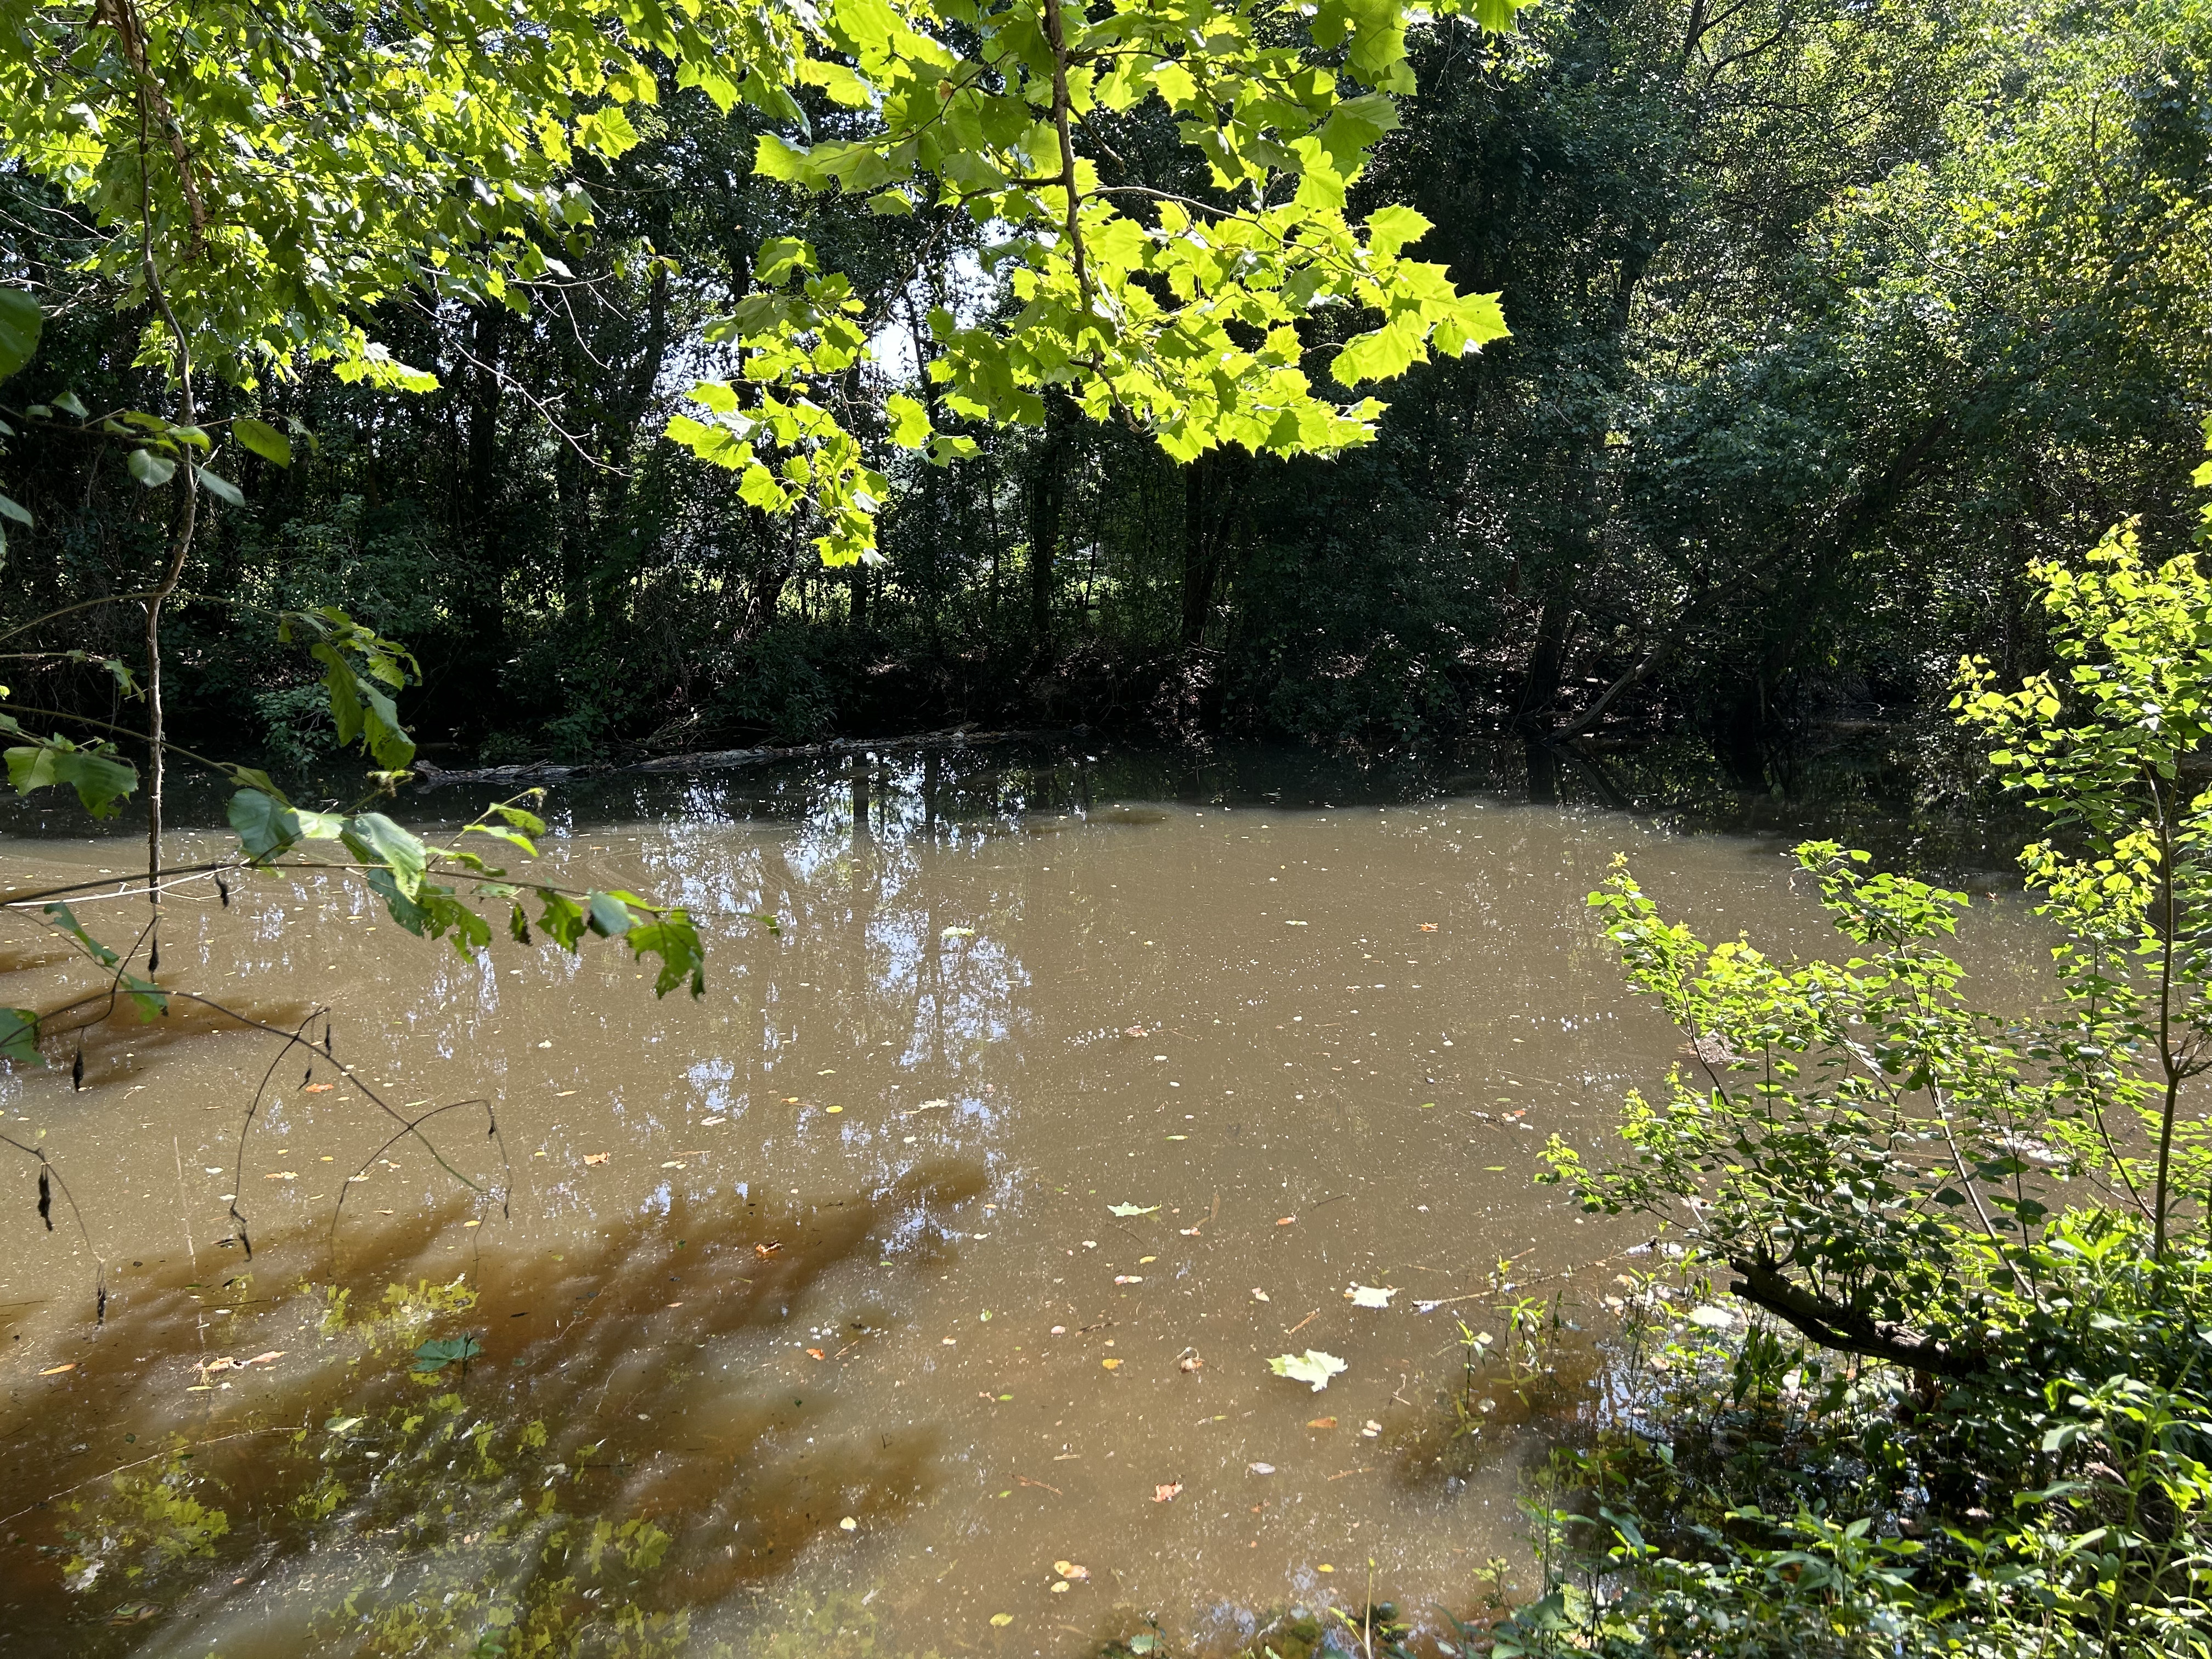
(1368, 1295)
(1312, 1366)
(1134, 1209)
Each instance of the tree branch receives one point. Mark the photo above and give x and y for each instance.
(1832, 1325)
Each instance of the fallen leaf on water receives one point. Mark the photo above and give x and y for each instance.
(818, 1353)
(1284, 1220)
(1324, 1567)
(1061, 1588)
(319, 1087)
(832, 1110)
(1071, 1570)
(1129, 1278)
(597, 1157)
(1132, 1209)
(1190, 1362)
(711, 1123)
(848, 1524)
(764, 1251)
(1428, 927)
(1312, 1366)
(1294, 924)
(268, 1358)
(960, 932)
(1258, 1295)
(1111, 1364)
(1165, 1494)
(1002, 1618)
(1370, 1296)
(1260, 1468)
(282, 1175)
(674, 1163)
(56, 1370)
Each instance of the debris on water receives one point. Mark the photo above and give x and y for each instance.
(1313, 1366)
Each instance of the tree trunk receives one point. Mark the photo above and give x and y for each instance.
(1539, 683)
(1048, 503)
(1212, 490)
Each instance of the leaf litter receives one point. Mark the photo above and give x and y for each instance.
(1312, 1366)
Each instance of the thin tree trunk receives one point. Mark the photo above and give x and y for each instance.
(180, 548)
(1539, 683)
(1048, 499)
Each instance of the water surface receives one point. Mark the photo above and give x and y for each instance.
(821, 1273)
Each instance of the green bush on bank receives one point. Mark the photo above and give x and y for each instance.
(1972, 1413)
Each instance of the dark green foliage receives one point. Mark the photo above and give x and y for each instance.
(1827, 322)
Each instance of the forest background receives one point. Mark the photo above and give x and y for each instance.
(1827, 320)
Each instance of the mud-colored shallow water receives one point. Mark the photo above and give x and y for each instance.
(819, 1273)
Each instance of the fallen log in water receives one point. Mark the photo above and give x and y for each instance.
(428, 776)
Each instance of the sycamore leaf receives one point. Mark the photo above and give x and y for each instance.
(1312, 1366)
(909, 422)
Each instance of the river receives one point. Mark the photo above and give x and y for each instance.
(911, 1292)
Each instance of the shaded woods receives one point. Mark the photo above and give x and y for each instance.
(1826, 320)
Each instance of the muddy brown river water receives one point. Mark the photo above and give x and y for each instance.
(820, 1278)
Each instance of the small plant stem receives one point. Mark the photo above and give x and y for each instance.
(2167, 1061)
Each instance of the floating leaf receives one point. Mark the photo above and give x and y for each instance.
(1370, 1296)
(1002, 1618)
(1111, 1364)
(1165, 1492)
(1312, 1366)
(1132, 1209)
(435, 1355)
(597, 1157)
